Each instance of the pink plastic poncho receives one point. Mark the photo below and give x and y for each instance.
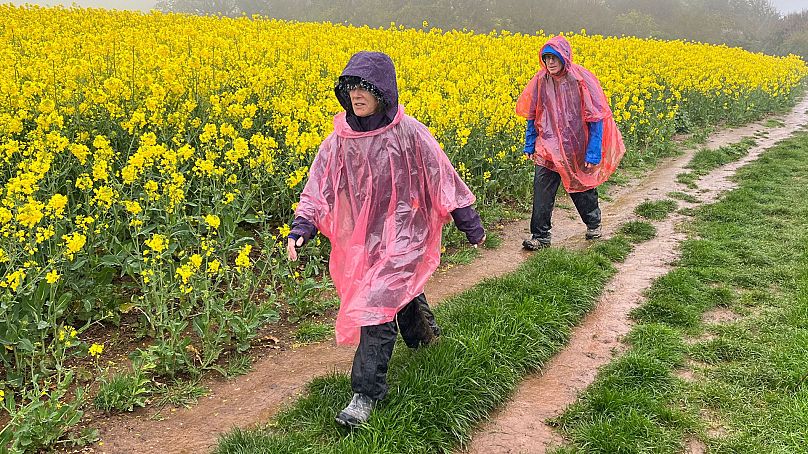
(561, 106)
(382, 198)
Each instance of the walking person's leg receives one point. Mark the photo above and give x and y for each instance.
(588, 208)
(369, 372)
(417, 323)
(545, 187)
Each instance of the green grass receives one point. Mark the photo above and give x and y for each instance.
(123, 391)
(655, 210)
(683, 196)
(637, 231)
(699, 136)
(314, 332)
(180, 393)
(238, 364)
(493, 335)
(620, 245)
(615, 248)
(465, 254)
(706, 160)
(747, 253)
(772, 123)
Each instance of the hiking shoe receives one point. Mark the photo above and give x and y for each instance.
(593, 234)
(535, 243)
(357, 412)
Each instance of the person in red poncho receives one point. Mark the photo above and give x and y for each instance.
(571, 137)
(381, 189)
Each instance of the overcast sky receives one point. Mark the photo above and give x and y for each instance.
(785, 6)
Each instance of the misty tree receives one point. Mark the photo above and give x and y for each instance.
(637, 23)
(229, 8)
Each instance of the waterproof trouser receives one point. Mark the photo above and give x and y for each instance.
(369, 372)
(545, 186)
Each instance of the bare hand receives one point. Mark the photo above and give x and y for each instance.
(535, 158)
(291, 247)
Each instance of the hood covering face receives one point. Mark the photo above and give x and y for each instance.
(375, 72)
(548, 50)
(558, 46)
(561, 106)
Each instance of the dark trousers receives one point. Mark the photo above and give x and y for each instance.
(369, 372)
(545, 186)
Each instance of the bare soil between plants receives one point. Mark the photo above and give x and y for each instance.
(279, 377)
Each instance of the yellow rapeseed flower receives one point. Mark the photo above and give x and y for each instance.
(96, 350)
(184, 272)
(196, 261)
(74, 242)
(157, 243)
(212, 221)
(56, 205)
(243, 259)
(52, 276)
(213, 266)
(31, 213)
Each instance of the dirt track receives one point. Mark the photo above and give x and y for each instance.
(278, 379)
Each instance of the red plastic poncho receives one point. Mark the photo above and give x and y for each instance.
(381, 197)
(561, 106)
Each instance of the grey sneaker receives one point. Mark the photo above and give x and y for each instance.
(593, 234)
(535, 243)
(357, 412)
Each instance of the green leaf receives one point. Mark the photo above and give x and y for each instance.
(61, 305)
(79, 263)
(25, 345)
(251, 219)
(110, 260)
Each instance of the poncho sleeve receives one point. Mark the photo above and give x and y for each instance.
(446, 189)
(526, 104)
(595, 105)
(317, 198)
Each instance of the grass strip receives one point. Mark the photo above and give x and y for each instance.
(747, 257)
(494, 334)
(655, 210)
(707, 160)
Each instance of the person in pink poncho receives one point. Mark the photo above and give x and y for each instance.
(571, 137)
(381, 189)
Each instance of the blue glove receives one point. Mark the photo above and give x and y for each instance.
(530, 137)
(594, 149)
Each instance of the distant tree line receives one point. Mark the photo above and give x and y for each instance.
(752, 24)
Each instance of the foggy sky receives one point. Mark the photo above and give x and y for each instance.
(134, 5)
(785, 6)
